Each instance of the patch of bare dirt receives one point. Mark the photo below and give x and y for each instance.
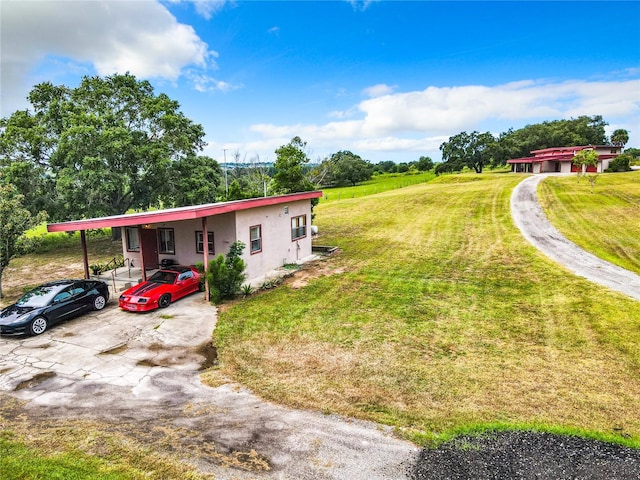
(300, 277)
(312, 270)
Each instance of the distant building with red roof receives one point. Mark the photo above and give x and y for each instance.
(560, 159)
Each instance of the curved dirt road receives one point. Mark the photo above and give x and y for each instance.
(534, 225)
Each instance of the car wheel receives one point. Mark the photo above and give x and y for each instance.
(38, 325)
(164, 301)
(99, 302)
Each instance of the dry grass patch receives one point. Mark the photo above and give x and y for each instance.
(63, 448)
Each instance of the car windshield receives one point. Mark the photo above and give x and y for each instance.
(38, 297)
(163, 277)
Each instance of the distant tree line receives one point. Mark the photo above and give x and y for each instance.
(477, 150)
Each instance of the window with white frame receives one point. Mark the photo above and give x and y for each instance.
(133, 242)
(298, 227)
(166, 241)
(200, 245)
(255, 235)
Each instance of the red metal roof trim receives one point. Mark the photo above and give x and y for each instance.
(570, 149)
(181, 213)
(566, 157)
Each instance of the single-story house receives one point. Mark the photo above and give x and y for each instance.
(560, 159)
(275, 230)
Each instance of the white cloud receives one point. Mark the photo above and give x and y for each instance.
(204, 83)
(420, 121)
(360, 5)
(452, 109)
(141, 37)
(378, 90)
(205, 8)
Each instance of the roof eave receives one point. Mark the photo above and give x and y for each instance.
(178, 214)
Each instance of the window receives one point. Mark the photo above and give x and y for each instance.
(133, 242)
(77, 290)
(166, 241)
(185, 275)
(62, 296)
(298, 227)
(255, 233)
(200, 246)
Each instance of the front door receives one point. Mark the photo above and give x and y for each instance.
(149, 242)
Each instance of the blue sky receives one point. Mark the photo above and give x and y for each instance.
(386, 80)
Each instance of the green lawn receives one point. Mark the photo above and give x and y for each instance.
(605, 222)
(378, 184)
(439, 316)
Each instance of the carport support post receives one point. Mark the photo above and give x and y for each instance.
(85, 258)
(205, 250)
(143, 270)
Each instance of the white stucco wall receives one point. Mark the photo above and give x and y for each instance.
(277, 247)
(603, 165)
(222, 226)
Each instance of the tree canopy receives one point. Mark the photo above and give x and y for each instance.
(424, 164)
(471, 149)
(15, 219)
(634, 152)
(193, 180)
(619, 137)
(583, 130)
(349, 168)
(101, 148)
(290, 161)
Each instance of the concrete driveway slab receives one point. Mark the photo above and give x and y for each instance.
(139, 374)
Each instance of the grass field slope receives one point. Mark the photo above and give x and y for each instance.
(438, 316)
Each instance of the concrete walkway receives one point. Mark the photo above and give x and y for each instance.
(536, 228)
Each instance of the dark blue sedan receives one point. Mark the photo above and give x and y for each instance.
(52, 303)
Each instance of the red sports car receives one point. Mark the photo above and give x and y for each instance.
(162, 288)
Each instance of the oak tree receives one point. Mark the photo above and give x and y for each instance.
(107, 145)
(350, 168)
(473, 150)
